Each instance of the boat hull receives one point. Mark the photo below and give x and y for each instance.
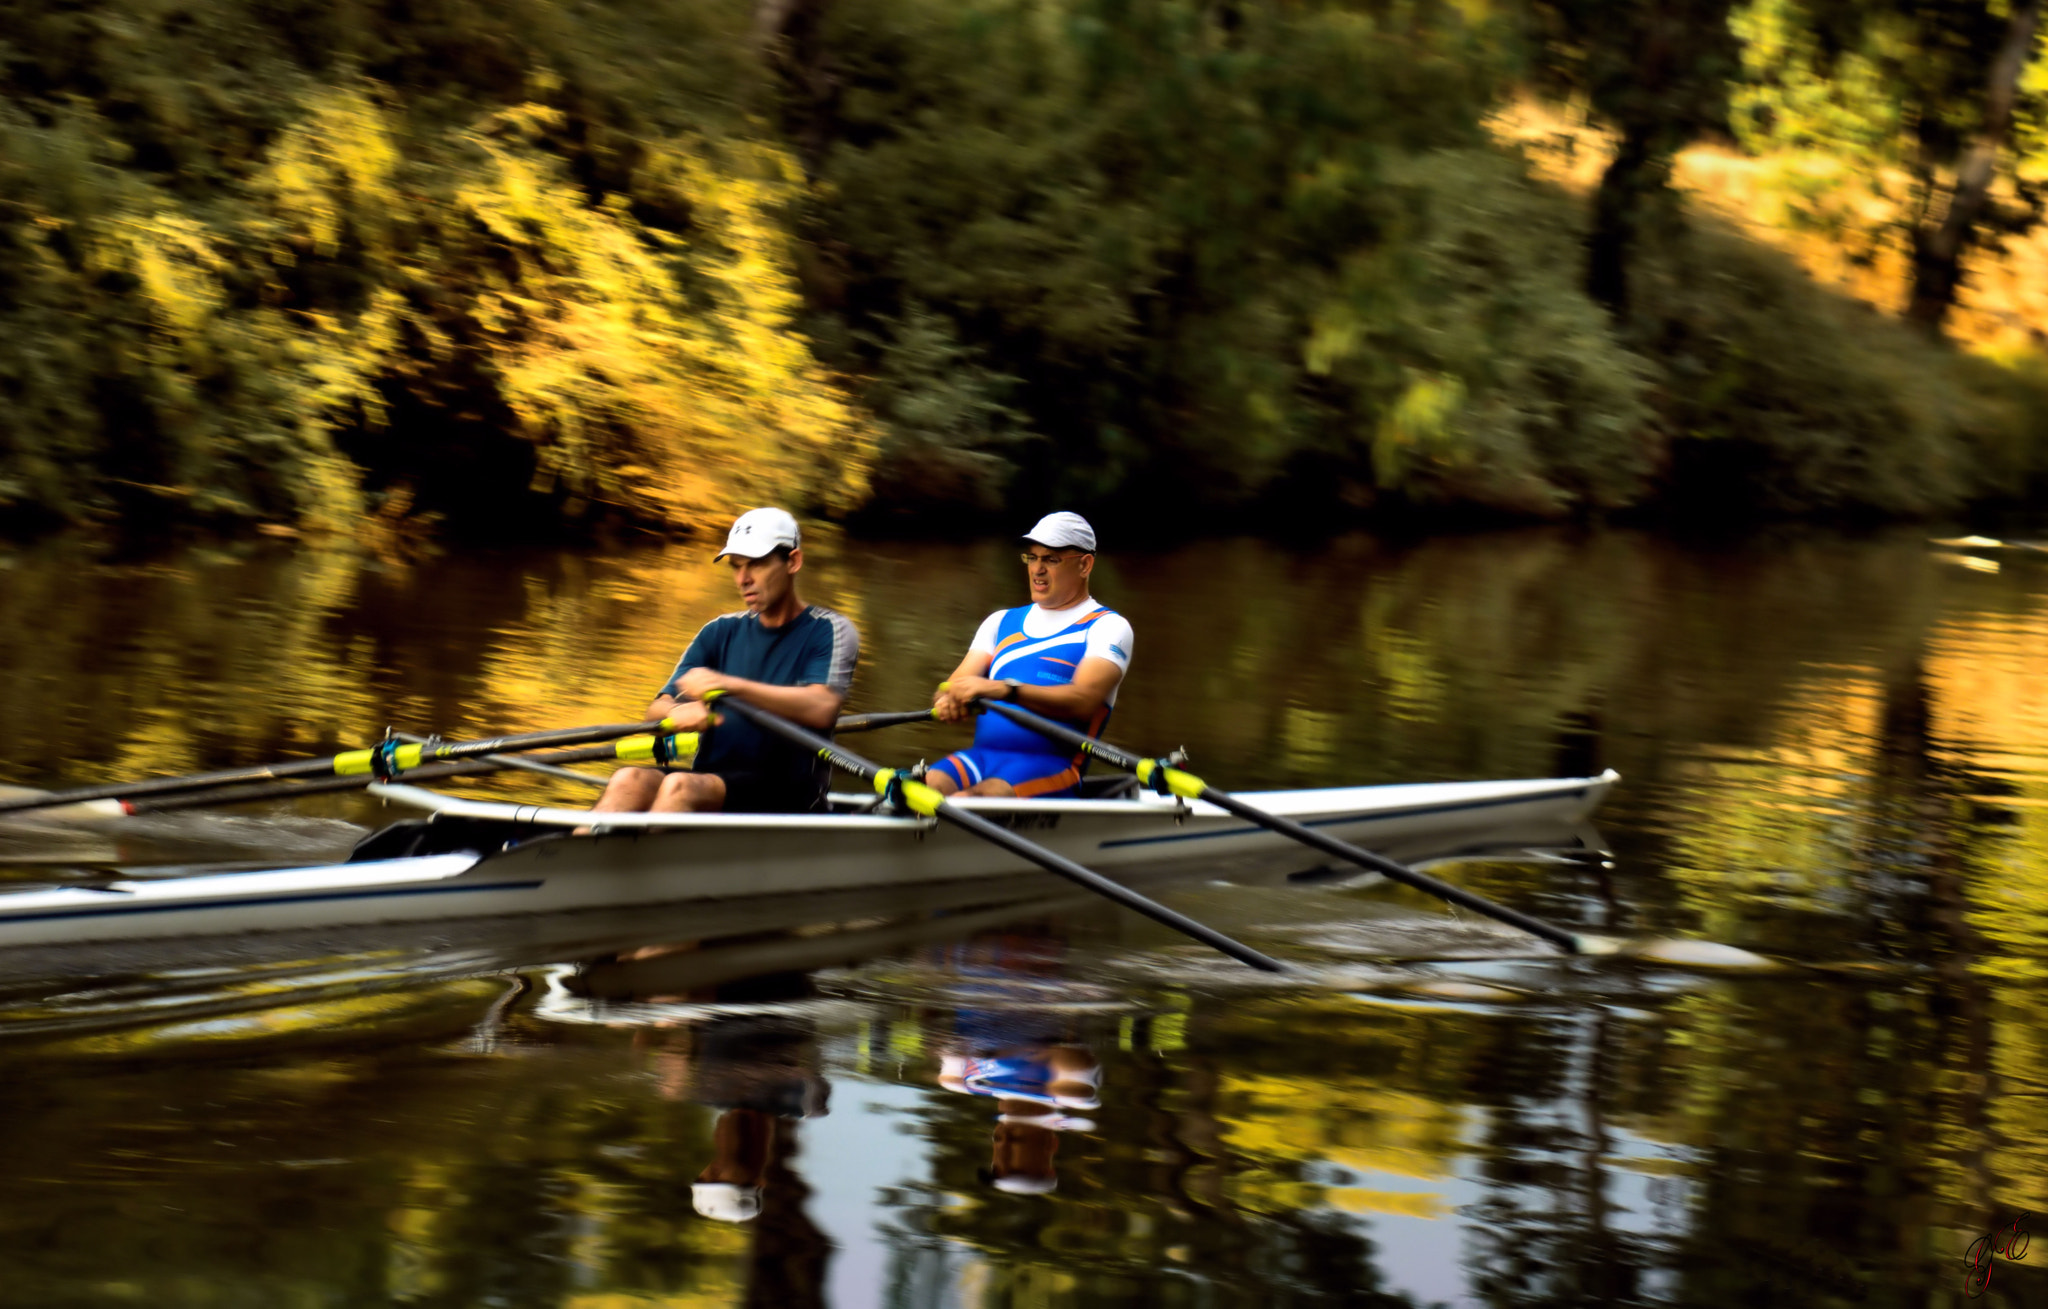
(726, 857)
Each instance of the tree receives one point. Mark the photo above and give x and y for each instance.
(1659, 73)
(1931, 93)
(1938, 244)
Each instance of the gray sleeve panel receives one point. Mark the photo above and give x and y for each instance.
(845, 648)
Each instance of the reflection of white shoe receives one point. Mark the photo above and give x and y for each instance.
(1051, 1122)
(1077, 1101)
(726, 1202)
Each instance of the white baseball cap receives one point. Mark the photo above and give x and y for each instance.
(1019, 1183)
(726, 1202)
(760, 532)
(1063, 529)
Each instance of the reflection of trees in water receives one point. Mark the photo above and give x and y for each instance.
(787, 1262)
(1144, 1215)
(1153, 1206)
(1546, 1232)
(1826, 1123)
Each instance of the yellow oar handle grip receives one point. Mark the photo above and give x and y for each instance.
(644, 750)
(355, 762)
(1183, 784)
(916, 796)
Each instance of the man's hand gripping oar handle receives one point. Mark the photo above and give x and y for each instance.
(920, 798)
(1168, 780)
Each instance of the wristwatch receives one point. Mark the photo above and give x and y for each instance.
(1010, 688)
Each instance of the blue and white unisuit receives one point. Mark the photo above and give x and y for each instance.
(1039, 647)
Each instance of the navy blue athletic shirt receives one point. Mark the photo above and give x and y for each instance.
(816, 648)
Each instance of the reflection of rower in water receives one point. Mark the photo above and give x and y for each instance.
(1032, 1084)
(1023, 1058)
(760, 1072)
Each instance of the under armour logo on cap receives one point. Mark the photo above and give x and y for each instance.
(760, 532)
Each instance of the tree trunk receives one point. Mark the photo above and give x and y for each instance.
(1938, 252)
(788, 35)
(1617, 212)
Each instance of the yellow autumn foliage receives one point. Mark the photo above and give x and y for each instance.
(302, 291)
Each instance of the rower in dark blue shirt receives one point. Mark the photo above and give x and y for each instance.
(788, 657)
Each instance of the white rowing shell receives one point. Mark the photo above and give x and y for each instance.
(649, 859)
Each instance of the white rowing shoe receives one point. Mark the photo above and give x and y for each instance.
(459, 864)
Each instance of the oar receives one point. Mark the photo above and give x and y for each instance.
(383, 760)
(1158, 773)
(633, 750)
(922, 799)
(869, 722)
(523, 765)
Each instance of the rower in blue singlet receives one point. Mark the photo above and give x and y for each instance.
(1063, 656)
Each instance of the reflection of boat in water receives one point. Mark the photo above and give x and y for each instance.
(474, 859)
(183, 997)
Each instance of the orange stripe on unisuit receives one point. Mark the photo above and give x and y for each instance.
(1059, 781)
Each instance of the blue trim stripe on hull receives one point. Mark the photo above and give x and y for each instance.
(1374, 816)
(219, 905)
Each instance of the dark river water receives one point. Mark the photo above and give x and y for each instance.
(1833, 752)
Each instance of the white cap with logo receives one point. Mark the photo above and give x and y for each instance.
(1063, 529)
(760, 532)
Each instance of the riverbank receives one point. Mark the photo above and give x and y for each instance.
(503, 272)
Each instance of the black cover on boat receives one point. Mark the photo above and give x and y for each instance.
(440, 835)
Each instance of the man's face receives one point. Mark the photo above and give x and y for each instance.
(763, 582)
(1058, 576)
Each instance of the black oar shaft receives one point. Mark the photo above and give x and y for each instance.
(869, 722)
(1008, 840)
(326, 768)
(348, 762)
(424, 773)
(1194, 788)
(1096, 882)
(521, 763)
(1421, 881)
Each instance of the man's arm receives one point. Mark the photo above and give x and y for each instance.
(1077, 700)
(815, 706)
(823, 678)
(688, 715)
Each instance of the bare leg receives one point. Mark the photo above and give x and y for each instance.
(629, 791)
(690, 793)
(942, 782)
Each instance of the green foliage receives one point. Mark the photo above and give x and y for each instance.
(1794, 400)
(944, 460)
(1486, 377)
(1258, 256)
(1135, 208)
(519, 264)
(1878, 100)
